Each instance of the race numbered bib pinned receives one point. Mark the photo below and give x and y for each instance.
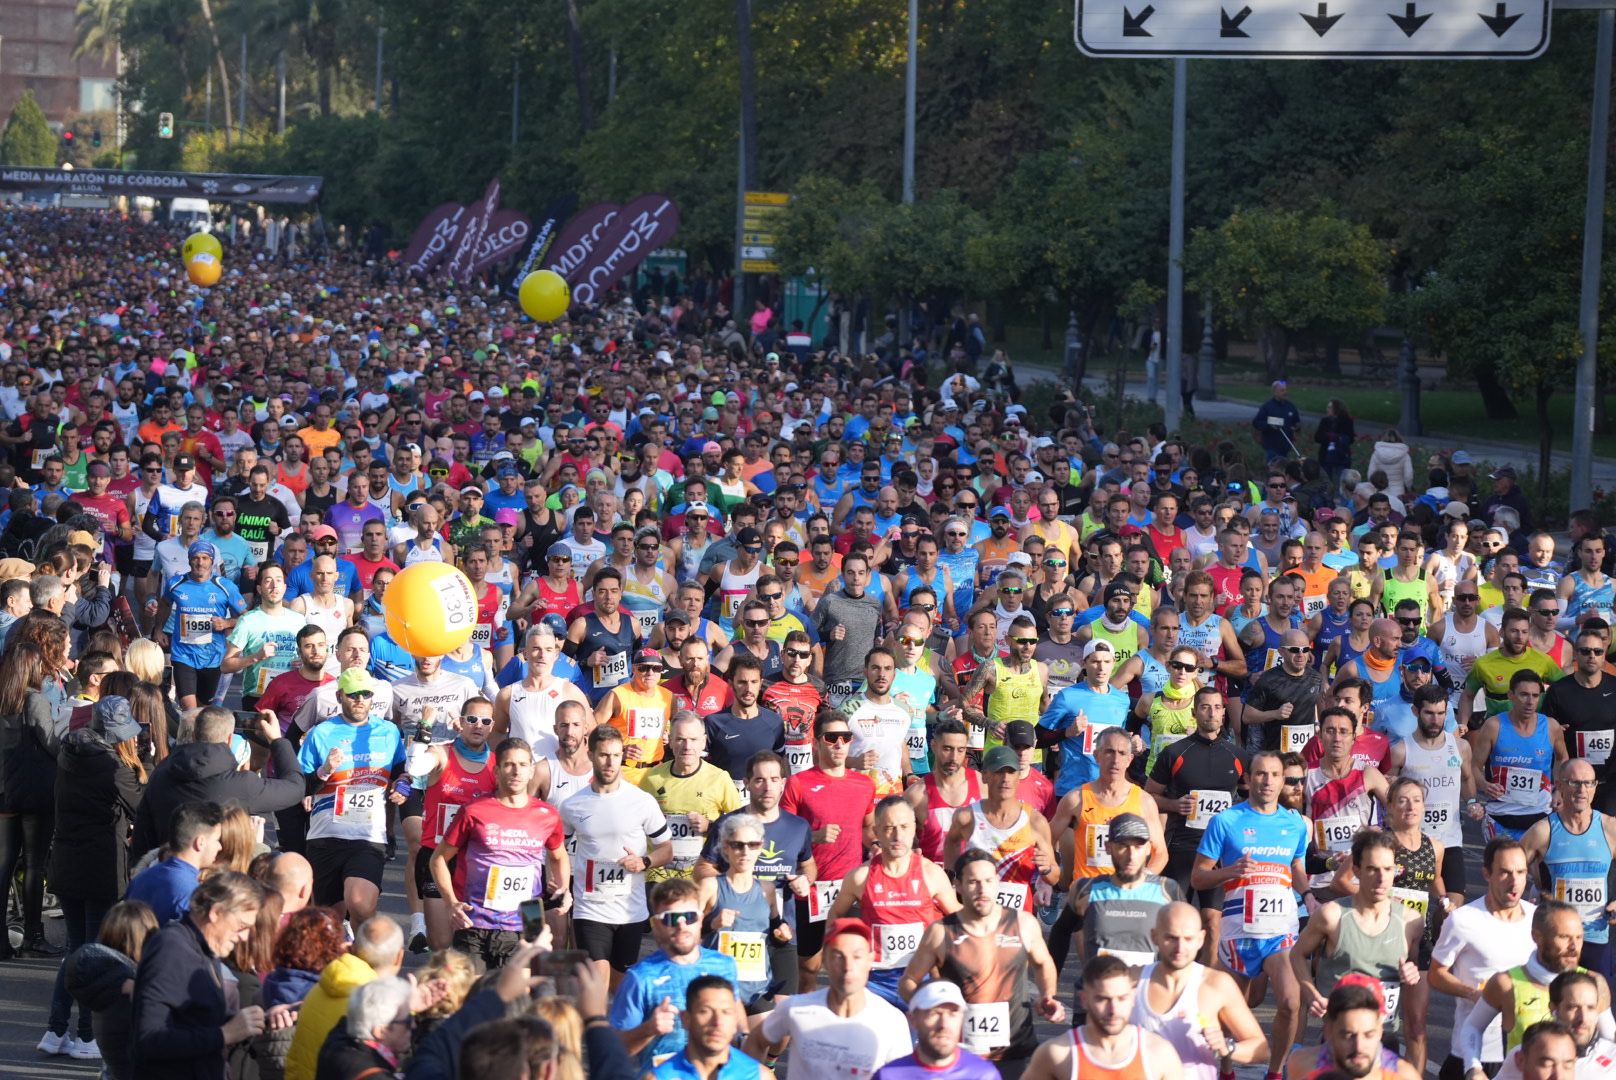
(196, 629)
(646, 621)
(357, 805)
(483, 635)
(1208, 804)
(822, 898)
(687, 841)
(508, 886)
(896, 943)
(799, 758)
(1595, 746)
(1267, 910)
(606, 880)
(915, 741)
(1335, 834)
(976, 737)
(1522, 781)
(1586, 894)
(1415, 899)
(749, 953)
(645, 724)
(1437, 817)
(613, 670)
(258, 551)
(1011, 894)
(1393, 992)
(447, 812)
(1293, 737)
(987, 1027)
(1094, 849)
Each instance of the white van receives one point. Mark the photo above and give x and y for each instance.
(194, 214)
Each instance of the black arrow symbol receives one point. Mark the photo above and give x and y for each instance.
(1231, 27)
(1134, 25)
(1498, 22)
(1408, 22)
(1321, 22)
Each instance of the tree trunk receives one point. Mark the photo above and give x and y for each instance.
(1275, 345)
(1545, 438)
(580, 67)
(1332, 355)
(224, 72)
(1601, 414)
(1494, 398)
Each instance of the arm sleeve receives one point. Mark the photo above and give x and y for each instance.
(1467, 1039)
(1212, 842)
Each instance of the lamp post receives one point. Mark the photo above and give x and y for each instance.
(1206, 388)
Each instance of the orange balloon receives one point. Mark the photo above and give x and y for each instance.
(204, 270)
(430, 609)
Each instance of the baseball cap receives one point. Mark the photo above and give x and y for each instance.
(1020, 734)
(747, 536)
(710, 447)
(1018, 558)
(1042, 441)
(999, 512)
(184, 462)
(323, 532)
(353, 681)
(937, 993)
(1504, 471)
(202, 547)
(113, 717)
(1129, 827)
(848, 926)
(1458, 510)
(472, 489)
(649, 656)
(676, 616)
(1460, 457)
(1095, 645)
(1000, 758)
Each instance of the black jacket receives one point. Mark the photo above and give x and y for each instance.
(95, 978)
(207, 772)
(438, 1056)
(180, 1007)
(96, 799)
(28, 744)
(343, 1057)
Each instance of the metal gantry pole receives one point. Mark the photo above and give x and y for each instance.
(1593, 229)
(909, 103)
(1175, 253)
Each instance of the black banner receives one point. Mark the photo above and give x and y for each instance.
(215, 187)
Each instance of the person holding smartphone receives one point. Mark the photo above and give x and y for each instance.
(512, 845)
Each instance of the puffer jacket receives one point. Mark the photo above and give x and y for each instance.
(1392, 459)
(322, 1011)
(95, 978)
(283, 986)
(97, 796)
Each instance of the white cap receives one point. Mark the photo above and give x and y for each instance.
(1096, 644)
(936, 993)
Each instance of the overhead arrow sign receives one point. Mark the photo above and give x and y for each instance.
(1315, 29)
(1231, 27)
(1499, 21)
(1409, 22)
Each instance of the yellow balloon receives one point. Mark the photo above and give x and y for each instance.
(430, 609)
(544, 296)
(204, 270)
(199, 243)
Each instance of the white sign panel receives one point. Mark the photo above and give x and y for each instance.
(1315, 29)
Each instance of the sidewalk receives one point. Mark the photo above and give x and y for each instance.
(1499, 452)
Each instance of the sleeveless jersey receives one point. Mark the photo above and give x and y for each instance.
(940, 813)
(1226, 583)
(563, 786)
(1012, 847)
(1331, 627)
(1531, 1005)
(732, 589)
(1086, 1068)
(1589, 599)
(613, 669)
(1093, 828)
(1578, 865)
(1339, 808)
(990, 971)
(1124, 643)
(746, 940)
(898, 910)
(432, 552)
(1438, 773)
(962, 567)
(644, 601)
(913, 581)
(1461, 649)
(1376, 955)
(554, 601)
(915, 692)
(1394, 592)
(454, 788)
(333, 620)
(532, 716)
(1416, 874)
(1522, 766)
(1167, 726)
(1181, 1024)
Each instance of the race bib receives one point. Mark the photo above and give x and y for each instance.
(447, 812)
(482, 635)
(1335, 834)
(686, 842)
(42, 456)
(897, 943)
(915, 741)
(1267, 910)
(1586, 894)
(508, 886)
(258, 551)
(822, 899)
(646, 621)
(748, 952)
(732, 603)
(1293, 737)
(645, 724)
(1207, 805)
(196, 629)
(799, 758)
(1011, 894)
(1437, 817)
(357, 805)
(1312, 605)
(606, 880)
(1417, 899)
(613, 670)
(976, 737)
(1595, 746)
(1394, 994)
(1095, 853)
(1522, 781)
(987, 1027)
(838, 692)
(1128, 956)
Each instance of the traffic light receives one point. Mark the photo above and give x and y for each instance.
(95, 138)
(165, 125)
(67, 139)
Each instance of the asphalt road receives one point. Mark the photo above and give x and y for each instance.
(25, 989)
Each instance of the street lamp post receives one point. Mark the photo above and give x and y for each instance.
(1206, 387)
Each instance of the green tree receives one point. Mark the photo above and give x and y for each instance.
(27, 139)
(1278, 273)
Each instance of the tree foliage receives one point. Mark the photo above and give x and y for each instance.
(27, 138)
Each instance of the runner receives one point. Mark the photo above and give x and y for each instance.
(1082, 819)
(195, 613)
(639, 710)
(603, 640)
(692, 793)
(1254, 851)
(741, 912)
(527, 709)
(1493, 673)
(1015, 835)
(512, 847)
(880, 725)
(1520, 749)
(452, 775)
(1352, 1041)
(988, 950)
(796, 695)
(710, 1029)
(265, 640)
(1574, 1004)
(1076, 716)
(1572, 852)
(1116, 909)
(941, 1021)
(1341, 796)
(1582, 706)
(898, 893)
(1107, 1045)
(949, 785)
(1197, 1009)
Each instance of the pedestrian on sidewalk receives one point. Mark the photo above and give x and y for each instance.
(1335, 436)
(1277, 422)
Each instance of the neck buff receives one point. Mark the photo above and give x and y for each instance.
(1179, 693)
(468, 753)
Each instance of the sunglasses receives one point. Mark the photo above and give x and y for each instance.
(757, 622)
(745, 845)
(1011, 590)
(1590, 652)
(648, 667)
(1179, 665)
(911, 641)
(1056, 563)
(647, 547)
(837, 737)
(359, 695)
(770, 597)
(677, 919)
(785, 562)
(1295, 781)
(1550, 613)
(797, 654)
(1025, 640)
(1471, 597)
(1298, 650)
(479, 721)
(1416, 621)
(561, 558)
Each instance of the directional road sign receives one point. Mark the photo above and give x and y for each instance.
(1318, 29)
(759, 220)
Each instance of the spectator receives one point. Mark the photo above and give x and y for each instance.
(28, 745)
(193, 843)
(206, 770)
(290, 874)
(238, 842)
(310, 939)
(249, 963)
(1276, 423)
(1391, 457)
(378, 952)
(184, 1020)
(374, 1037)
(458, 973)
(101, 978)
(100, 779)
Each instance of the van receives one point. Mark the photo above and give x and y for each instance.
(194, 214)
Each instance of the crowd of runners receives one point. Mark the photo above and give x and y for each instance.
(819, 708)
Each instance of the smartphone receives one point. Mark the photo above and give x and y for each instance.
(532, 912)
(247, 726)
(560, 966)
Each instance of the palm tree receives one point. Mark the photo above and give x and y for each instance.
(97, 25)
(224, 72)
